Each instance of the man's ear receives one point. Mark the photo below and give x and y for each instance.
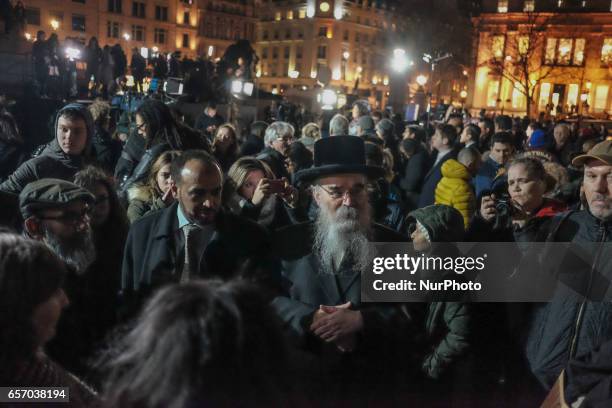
(316, 194)
(33, 228)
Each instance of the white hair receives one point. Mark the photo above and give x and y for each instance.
(277, 130)
(338, 125)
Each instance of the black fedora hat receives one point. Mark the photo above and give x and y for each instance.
(338, 155)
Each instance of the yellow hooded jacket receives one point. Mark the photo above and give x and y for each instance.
(454, 189)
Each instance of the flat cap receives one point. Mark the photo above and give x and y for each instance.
(50, 193)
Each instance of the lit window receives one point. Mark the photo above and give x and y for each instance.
(290, 15)
(572, 95)
(324, 7)
(497, 46)
(601, 97)
(302, 13)
(551, 46)
(502, 6)
(544, 95)
(518, 98)
(579, 51)
(529, 6)
(277, 16)
(606, 51)
(564, 51)
(492, 93)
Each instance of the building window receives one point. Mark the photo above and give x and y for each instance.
(278, 16)
(564, 51)
(274, 52)
(606, 51)
(264, 53)
(492, 93)
(302, 13)
(138, 9)
(57, 15)
(138, 33)
(264, 35)
(290, 15)
(529, 6)
(159, 36)
(32, 16)
(345, 35)
(78, 22)
(161, 13)
(322, 52)
(502, 6)
(300, 33)
(288, 34)
(357, 37)
(186, 18)
(601, 98)
(523, 45)
(114, 6)
(287, 52)
(79, 1)
(185, 43)
(298, 52)
(113, 29)
(276, 34)
(497, 46)
(323, 31)
(572, 95)
(544, 95)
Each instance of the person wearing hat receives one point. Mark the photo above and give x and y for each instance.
(322, 263)
(64, 156)
(365, 126)
(57, 212)
(577, 321)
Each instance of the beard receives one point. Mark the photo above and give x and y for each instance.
(78, 252)
(343, 235)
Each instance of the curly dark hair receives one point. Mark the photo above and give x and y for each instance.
(204, 343)
(29, 275)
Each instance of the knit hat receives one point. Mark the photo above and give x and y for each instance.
(50, 193)
(538, 139)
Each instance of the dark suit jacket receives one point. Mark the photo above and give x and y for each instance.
(428, 193)
(154, 252)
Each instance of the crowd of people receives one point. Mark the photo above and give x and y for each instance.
(177, 266)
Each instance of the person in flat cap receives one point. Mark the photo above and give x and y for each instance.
(322, 261)
(584, 311)
(64, 156)
(57, 212)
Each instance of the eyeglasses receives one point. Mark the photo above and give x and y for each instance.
(70, 217)
(336, 194)
(141, 126)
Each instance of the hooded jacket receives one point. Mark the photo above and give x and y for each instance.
(454, 189)
(53, 162)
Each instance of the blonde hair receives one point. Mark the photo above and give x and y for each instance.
(240, 170)
(162, 160)
(99, 110)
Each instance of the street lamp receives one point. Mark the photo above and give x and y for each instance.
(421, 80)
(399, 62)
(126, 36)
(346, 55)
(463, 94)
(54, 24)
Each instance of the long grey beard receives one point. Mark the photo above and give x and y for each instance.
(79, 253)
(340, 238)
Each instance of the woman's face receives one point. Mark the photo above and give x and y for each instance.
(163, 178)
(224, 138)
(47, 314)
(101, 208)
(141, 127)
(355, 112)
(525, 190)
(250, 184)
(419, 241)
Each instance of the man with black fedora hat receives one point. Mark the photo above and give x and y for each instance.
(321, 265)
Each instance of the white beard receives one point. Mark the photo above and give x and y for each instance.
(342, 235)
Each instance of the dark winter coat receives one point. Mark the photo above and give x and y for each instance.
(252, 146)
(433, 177)
(276, 161)
(53, 162)
(10, 157)
(576, 320)
(106, 150)
(415, 170)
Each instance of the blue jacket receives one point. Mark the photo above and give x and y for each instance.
(485, 176)
(433, 177)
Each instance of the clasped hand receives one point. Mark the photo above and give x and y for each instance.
(338, 325)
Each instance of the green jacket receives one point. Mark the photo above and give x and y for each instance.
(447, 331)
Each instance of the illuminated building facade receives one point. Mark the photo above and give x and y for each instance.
(564, 45)
(297, 41)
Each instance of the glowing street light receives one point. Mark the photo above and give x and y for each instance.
(463, 94)
(421, 80)
(294, 74)
(28, 36)
(399, 62)
(328, 99)
(126, 36)
(54, 24)
(346, 55)
(310, 11)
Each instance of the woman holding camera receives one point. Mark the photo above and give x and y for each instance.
(527, 208)
(253, 192)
